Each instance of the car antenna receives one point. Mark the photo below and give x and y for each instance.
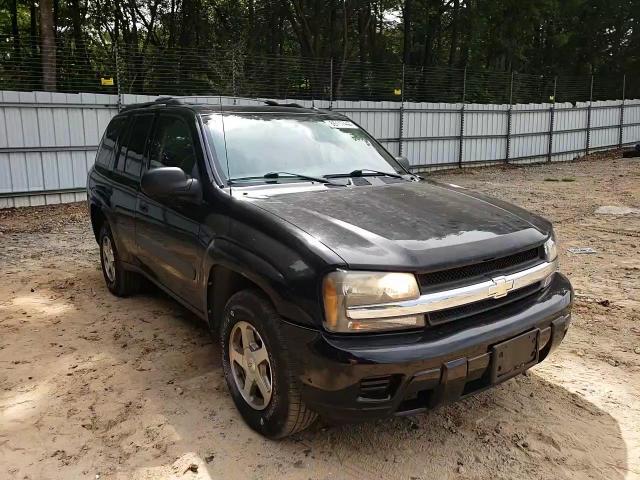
(224, 138)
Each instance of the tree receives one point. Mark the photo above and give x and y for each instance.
(187, 44)
(13, 5)
(48, 45)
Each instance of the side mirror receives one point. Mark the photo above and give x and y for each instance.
(171, 183)
(404, 162)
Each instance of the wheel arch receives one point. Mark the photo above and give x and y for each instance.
(230, 267)
(222, 283)
(97, 219)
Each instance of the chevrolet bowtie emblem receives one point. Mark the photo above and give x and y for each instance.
(501, 286)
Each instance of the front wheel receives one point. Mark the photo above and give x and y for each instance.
(257, 367)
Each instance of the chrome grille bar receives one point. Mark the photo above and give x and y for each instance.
(492, 288)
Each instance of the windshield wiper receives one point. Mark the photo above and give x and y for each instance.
(362, 172)
(277, 175)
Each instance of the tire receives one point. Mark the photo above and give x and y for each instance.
(120, 282)
(285, 413)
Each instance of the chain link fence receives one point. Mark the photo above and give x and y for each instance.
(153, 70)
(436, 117)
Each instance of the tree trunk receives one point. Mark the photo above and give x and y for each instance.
(454, 32)
(48, 46)
(251, 34)
(332, 30)
(469, 31)
(172, 24)
(82, 56)
(406, 18)
(372, 32)
(33, 27)
(135, 54)
(362, 55)
(428, 37)
(345, 50)
(296, 14)
(56, 10)
(14, 29)
(33, 30)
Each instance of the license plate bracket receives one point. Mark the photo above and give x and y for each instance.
(514, 356)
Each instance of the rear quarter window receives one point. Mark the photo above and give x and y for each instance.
(106, 152)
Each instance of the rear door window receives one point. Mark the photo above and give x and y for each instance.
(172, 145)
(136, 145)
(106, 154)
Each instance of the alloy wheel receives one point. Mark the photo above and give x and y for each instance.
(250, 365)
(108, 259)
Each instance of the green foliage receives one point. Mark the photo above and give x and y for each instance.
(283, 47)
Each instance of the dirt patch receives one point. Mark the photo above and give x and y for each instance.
(42, 219)
(133, 389)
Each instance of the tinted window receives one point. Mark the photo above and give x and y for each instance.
(136, 143)
(172, 145)
(109, 140)
(123, 141)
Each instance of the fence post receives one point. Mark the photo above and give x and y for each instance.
(464, 95)
(331, 84)
(233, 76)
(552, 115)
(621, 134)
(118, 88)
(588, 142)
(509, 113)
(401, 126)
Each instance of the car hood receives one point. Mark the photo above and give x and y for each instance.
(408, 225)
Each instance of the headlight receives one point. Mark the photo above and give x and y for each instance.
(551, 255)
(341, 290)
(550, 250)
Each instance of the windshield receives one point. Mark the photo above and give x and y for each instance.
(312, 145)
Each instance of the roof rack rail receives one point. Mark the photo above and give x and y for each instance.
(273, 103)
(328, 110)
(182, 101)
(169, 101)
(157, 101)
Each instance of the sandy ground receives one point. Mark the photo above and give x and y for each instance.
(95, 386)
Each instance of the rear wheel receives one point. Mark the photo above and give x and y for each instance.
(257, 367)
(120, 281)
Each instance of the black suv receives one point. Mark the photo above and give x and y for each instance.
(337, 282)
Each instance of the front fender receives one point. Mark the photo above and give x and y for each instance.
(293, 294)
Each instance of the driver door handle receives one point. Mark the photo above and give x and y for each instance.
(144, 207)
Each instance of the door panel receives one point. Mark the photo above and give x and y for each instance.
(126, 175)
(167, 230)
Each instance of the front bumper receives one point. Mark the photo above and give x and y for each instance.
(351, 378)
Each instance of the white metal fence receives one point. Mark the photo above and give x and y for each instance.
(48, 141)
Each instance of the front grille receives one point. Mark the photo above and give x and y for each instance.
(468, 274)
(476, 308)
